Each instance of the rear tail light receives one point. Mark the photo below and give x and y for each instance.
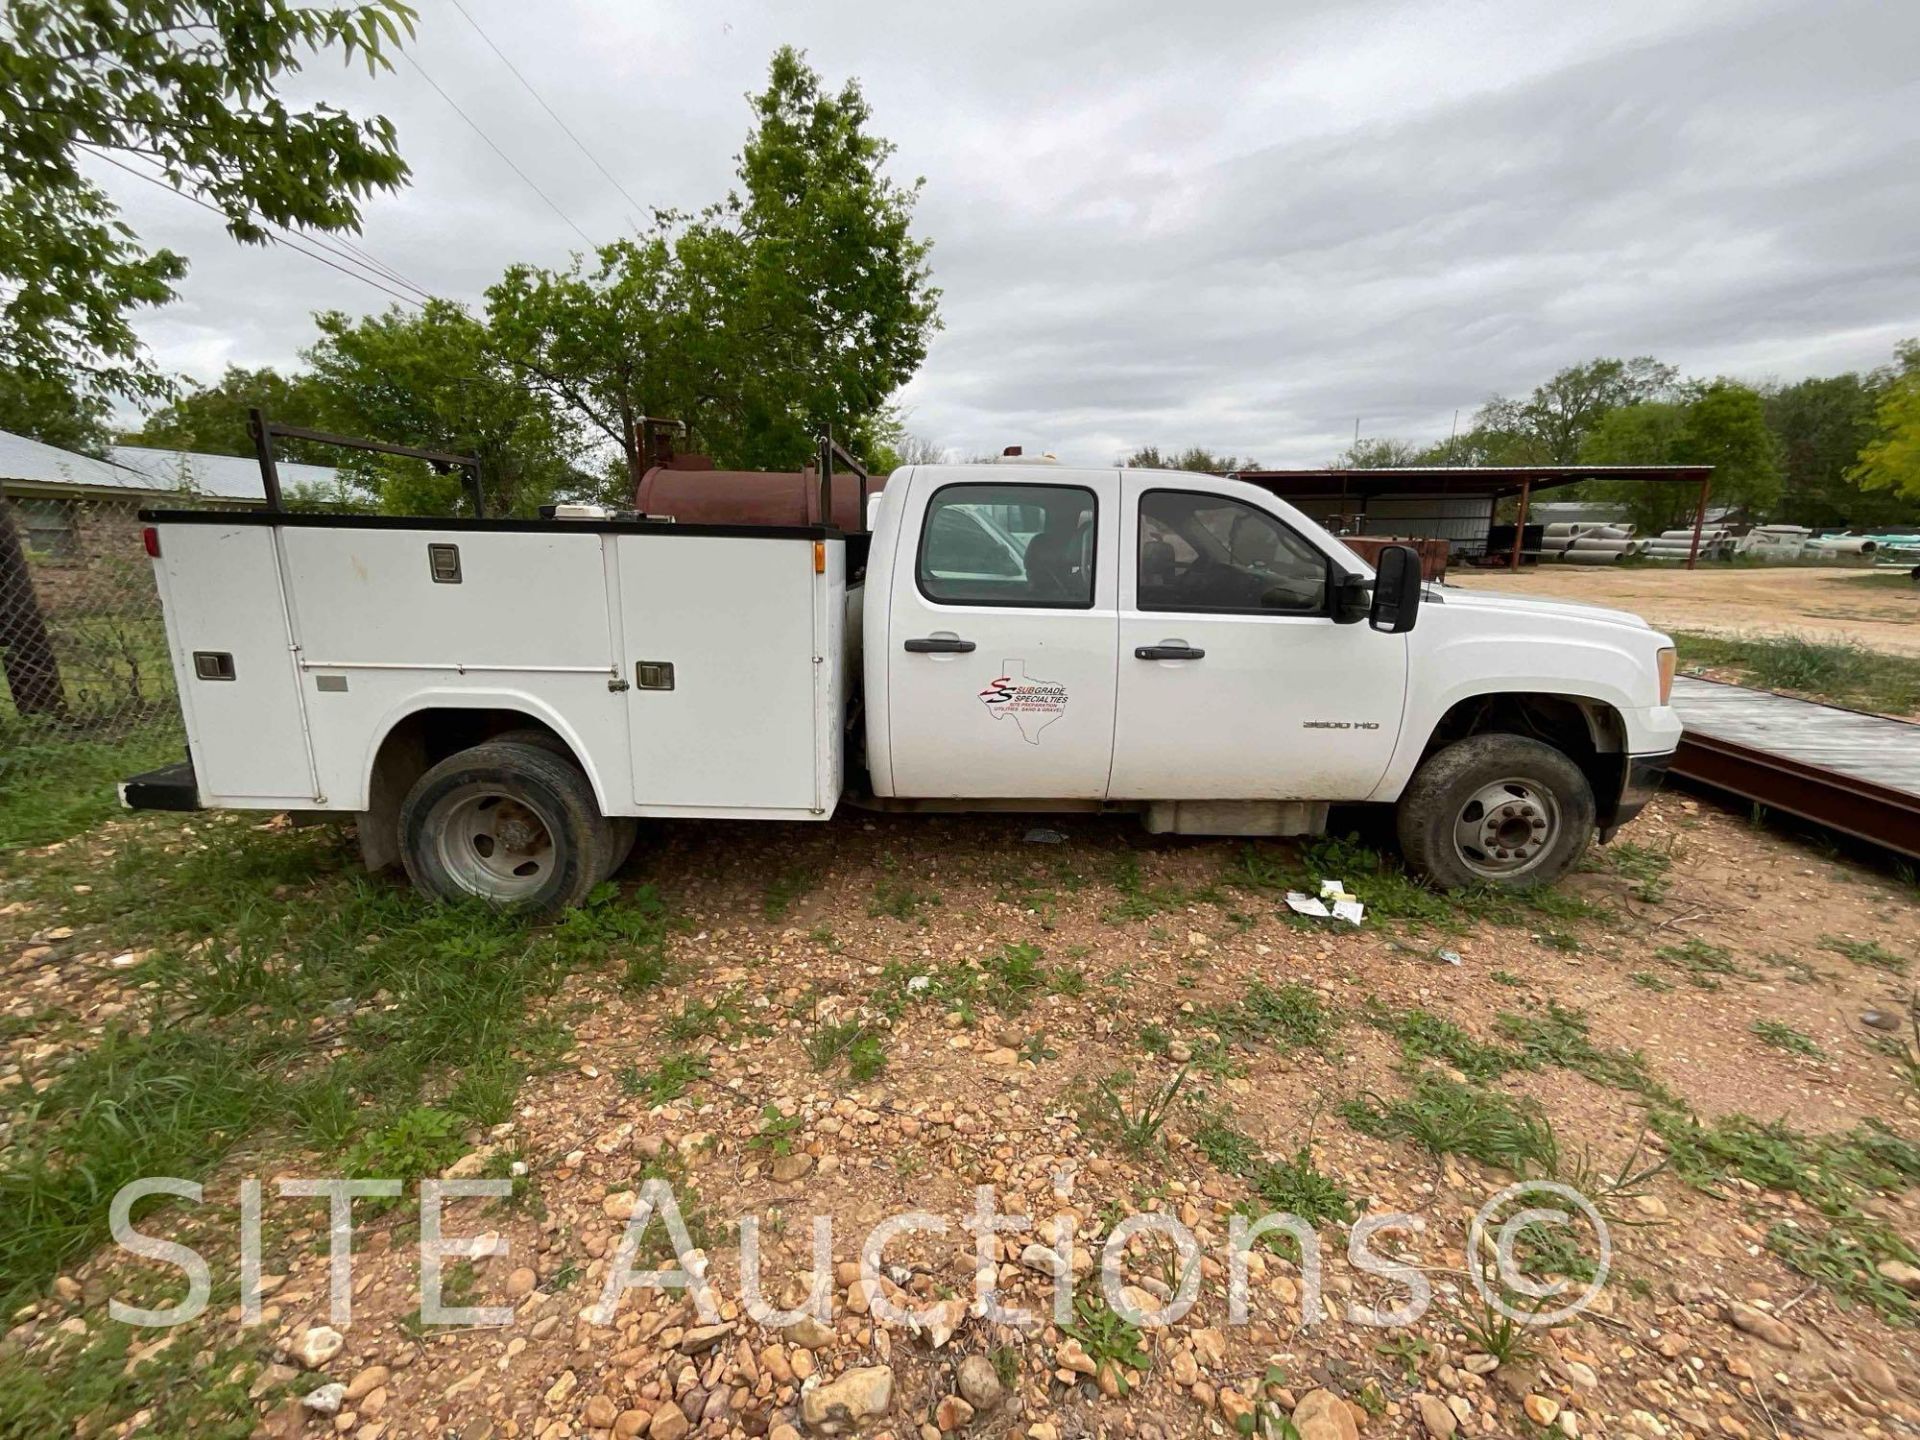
(150, 538)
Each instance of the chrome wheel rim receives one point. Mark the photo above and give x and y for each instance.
(495, 845)
(1506, 828)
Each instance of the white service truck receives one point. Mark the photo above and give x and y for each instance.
(498, 701)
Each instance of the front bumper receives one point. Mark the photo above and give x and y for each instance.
(171, 787)
(1642, 781)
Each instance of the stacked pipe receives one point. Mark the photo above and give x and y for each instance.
(1575, 542)
(1843, 545)
(1716, 543)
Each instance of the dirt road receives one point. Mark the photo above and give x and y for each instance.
(1821, 604)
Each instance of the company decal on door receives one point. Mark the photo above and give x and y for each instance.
(1031, 704)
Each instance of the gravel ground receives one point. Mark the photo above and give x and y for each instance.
(999, 985)
(1828, 603)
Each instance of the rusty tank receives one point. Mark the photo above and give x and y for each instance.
(690, 490)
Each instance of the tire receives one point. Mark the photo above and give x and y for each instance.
(513, 824)
(626, 830)
(619, 832)
(1487, 789)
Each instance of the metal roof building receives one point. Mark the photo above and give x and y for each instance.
(31, 468)
(1456, 503)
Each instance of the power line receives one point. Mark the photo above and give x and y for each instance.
(496, 149)
(579, 144)
(283, 237)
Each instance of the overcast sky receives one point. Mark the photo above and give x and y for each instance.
(1243, 226)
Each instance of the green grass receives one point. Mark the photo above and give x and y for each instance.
(1700, 962)
(1840, 1242)
(1426, 1036)
(1015, 974)
(1642, 865)
(56, 785)
(863, 1049)
(897, 900)
(1110, 1340)
(667, 1081)
(701, 1019)
(1870, 953)
(187, 1395)
(1396, 899)
(1114, 1106)
(1784, 1037)
(1287, 1017)
(1296, 1186)
(424, 1007)
(1142, 900)
(1844, 674)
(785, 888)
(1446, 1117)
(1559, 1037)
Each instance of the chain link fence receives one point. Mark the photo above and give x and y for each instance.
(85, 679)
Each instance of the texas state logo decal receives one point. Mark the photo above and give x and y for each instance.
(1030, 704)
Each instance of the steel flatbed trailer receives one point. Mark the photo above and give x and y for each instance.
(1850, 771)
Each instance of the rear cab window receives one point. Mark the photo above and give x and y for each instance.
(1015, 545)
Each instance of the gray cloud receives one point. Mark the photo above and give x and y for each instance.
(1237, 225)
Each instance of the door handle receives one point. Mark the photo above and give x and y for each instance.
(940, 645)
(1168, 652)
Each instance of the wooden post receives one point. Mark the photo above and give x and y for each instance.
(1699, 521)
(26, 650)
(1520, 524)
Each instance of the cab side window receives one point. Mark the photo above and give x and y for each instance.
(1008, 545)
(1211, 553)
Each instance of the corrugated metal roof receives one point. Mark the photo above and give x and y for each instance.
(31, 462)
(225, 477)
(142, 468)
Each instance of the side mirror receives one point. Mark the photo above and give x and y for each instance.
(1352, 599)
(1397, 584)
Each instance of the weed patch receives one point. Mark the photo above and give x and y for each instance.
(667, 1081)
(1870, 953)
(862, 1048)
(1289, 1017)
(1784, 1037)
(1446, 1117)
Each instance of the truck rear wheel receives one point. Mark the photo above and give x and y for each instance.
(619, 832)
(509, 823)
(1496, 809)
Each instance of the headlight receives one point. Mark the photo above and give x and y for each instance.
(1665, 660)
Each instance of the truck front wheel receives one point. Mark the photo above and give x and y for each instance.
(511, 823)
(1496, 810)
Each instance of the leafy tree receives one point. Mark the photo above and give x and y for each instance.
(1196, 458)
(431, 379)
(801, 303)
(1721, 423)
(1549, 426)
(1891, 460)
(893, 447)
(212, 419)
(1823, 424)
(1384, 453)
(42, 408)
(184, 90)
(612, 341)
(837, 282)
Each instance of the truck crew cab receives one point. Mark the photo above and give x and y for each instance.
(498, 700)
